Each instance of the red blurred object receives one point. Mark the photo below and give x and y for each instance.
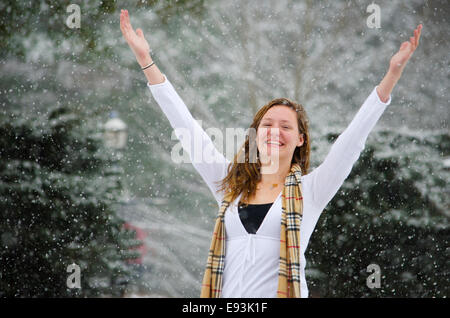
(140, 235)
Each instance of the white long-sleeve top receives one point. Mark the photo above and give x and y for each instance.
(252, 260)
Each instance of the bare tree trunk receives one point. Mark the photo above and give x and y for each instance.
(302, 57)
(244, 39)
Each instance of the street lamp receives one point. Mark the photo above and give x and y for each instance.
(115, 136)
(115, 132)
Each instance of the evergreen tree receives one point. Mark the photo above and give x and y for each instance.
(392, 211)
(58, 188)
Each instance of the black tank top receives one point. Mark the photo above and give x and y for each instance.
(253, 215)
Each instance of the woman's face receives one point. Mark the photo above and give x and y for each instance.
(277, 134)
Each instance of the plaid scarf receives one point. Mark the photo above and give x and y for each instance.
(289, 269)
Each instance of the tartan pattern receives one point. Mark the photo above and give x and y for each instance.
(212, 278)
(289, 269)
(291, 218)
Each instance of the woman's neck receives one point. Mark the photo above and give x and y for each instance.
(271, 175)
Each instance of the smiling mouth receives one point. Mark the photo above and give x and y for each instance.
(279, 144)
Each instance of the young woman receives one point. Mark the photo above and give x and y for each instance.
(272, 203)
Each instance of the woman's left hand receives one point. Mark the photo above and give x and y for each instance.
(397, 64)
(407, 48)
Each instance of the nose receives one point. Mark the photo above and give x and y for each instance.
(273, 133)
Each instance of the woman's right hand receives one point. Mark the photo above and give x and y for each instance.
(135, 40)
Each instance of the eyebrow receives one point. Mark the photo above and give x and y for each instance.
(283, 120)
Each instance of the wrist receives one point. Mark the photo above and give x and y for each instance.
(393, 76)
(386, 85)
(395, 72)
(145, 60)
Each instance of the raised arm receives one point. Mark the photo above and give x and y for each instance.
(139, 45)
(328, 177)
(397, 64)
(206, 159)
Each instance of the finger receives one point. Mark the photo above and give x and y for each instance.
(122, 23)
(126, 29)
(127, 17)
(418, 33)
(416, 36)
(122, 19)
(128, 23)
(126, 20)
(413, 43)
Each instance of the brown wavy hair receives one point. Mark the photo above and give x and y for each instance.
(244, 173)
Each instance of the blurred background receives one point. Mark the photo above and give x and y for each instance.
(85, 170)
